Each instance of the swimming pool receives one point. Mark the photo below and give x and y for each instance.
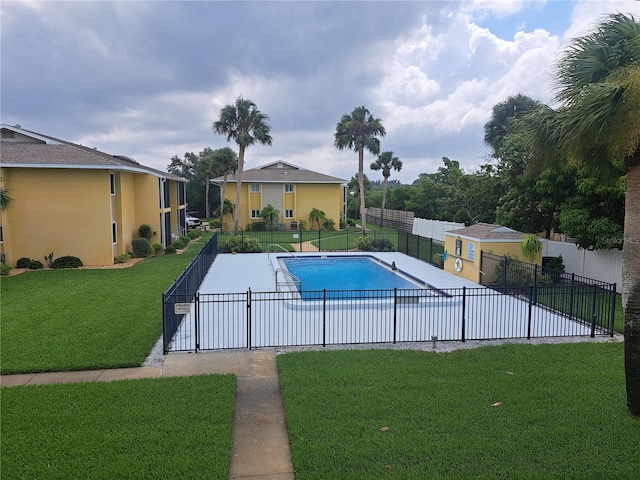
(360, 276)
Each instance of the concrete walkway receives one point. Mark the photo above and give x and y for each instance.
(260, 439)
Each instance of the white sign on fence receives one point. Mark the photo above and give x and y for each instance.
(181, 308)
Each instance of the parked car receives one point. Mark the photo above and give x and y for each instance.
(193, 222)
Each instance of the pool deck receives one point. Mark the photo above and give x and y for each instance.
(228, 273)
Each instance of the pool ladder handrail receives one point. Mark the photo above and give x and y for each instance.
(294, 281)
(281, 248)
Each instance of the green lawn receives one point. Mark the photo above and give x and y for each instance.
(562, 413)
(55, 320)
(164, 428)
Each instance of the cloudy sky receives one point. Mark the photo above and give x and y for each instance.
(147, 79)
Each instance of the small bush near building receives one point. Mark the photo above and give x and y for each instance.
(193, 234)
(35, 265)
(215, 223)
(5, 269)
(302, 225)
(257, 227)
(145, 231)
(124, 258)
(157, 248)
(329, 224)
(141, 247)
(170, 249)
(239, 244)
(179, 244)
(185, 239)
(67, 261)
(368, 244)
(23, 262)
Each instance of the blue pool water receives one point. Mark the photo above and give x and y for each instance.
(344, 273)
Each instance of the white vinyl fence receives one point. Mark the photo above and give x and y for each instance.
(433, 228)
(603, 265)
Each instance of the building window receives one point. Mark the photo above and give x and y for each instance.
(288, 214)
(255, 188)
(112, 180)
(288, 188)
(114, 232)
(255, 213)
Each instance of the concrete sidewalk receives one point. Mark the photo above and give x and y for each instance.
(260, 439)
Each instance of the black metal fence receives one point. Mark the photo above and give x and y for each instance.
(572, 294)
(274, 319)
(425, 249)
(184, 290)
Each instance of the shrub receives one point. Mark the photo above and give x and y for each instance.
(215, 223)
(157, 248)
(329, 224)
(67, 261)
(141, 247)
(179, 244)
(257, 227)
(122, 258)
(437, 260)
(193, 234)
(35, 265)
(364, 244)
(5, 269)
(382, 245)
(351, 222)
(302, 225)
(170, 249)
(145, 231)
(239, 244)
(23, 262)
(185, 239)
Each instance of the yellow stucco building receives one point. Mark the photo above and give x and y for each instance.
(464, 248)
(292, 190)
(68, 199)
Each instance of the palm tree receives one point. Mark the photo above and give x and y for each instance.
(270, 215)
(597, 124)
(5, 199)
(385, 162)
(245, 124)
(317, 215)
(226, 162)
(357, 131)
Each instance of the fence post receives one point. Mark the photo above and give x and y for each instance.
(324, 317)
(249, 319)
(395, 312)
(504, 272)
(464, 309)
(319, 240)
(197, 318)
(593, 311)
(531, 287)
(612, 313)
(572, 291)
(535, 284)
(430, 259)
(418, 247)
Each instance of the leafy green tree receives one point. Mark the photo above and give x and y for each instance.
(187, 167)
(208, 169)
(597, 124)
(503, 119)
(357, 131)
(353, 189)
(247, 125)
(386, 162)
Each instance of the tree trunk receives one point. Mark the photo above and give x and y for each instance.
(236, 209)
(361, 187)
(384, 198)
(223, 191)
(207, 210)
(631, 285)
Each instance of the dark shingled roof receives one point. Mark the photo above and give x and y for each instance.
(63, 154)
(280, 172)
(487, 231)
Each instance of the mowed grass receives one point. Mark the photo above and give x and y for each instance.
(56, 320)
(158, 429)
(562, 413)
